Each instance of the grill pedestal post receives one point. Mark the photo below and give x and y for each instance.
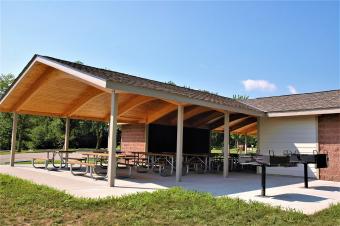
(305, 169)
(263, 181)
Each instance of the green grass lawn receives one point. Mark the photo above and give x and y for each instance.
(23, 151)
(22, 202)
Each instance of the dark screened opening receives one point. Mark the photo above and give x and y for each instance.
(163, 139)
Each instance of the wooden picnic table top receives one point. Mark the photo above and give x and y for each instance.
(197, 155)
(139, 152)
(62, 151)
(106, 155)
(161, 154)
(96, 154)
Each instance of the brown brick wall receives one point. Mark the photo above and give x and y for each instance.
(133, 138)
(329, 142)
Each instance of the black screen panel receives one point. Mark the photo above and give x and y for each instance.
(163, 139)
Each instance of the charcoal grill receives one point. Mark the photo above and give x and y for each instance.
(289, 160)
(321, 161)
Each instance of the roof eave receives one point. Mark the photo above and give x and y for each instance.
(304, 112)
(179, 98)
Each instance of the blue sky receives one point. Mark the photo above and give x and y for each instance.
(254, 48)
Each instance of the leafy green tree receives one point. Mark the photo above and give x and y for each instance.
(5, 82)
(99, 129)
(240, 97)
(5, 131)
(5, 118)
(46, 133)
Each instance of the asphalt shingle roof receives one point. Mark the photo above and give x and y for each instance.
(131, 80)
(297, 102)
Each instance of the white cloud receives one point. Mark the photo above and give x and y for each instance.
(263, 85)
(292, 89)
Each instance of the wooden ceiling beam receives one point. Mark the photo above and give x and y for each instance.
(247, 129)
(206, 118)
(220, 122)
(85, 97)
(132, 103)
(192, 112)
(130, 119)
(244, 123)
(45, 77)
(161, 112)
(58, 115)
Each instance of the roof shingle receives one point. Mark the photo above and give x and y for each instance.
(131, 80)
(297, 102)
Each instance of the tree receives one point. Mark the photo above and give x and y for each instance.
(240, 97)
(5, 118)
(6, 81)
(5, 131)
(46, 133)
(99, 129)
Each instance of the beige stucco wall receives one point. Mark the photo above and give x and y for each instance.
(289, 133)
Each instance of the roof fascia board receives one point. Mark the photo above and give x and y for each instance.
(21, 76)
(178, 98)
(98, 82)
(306, 112)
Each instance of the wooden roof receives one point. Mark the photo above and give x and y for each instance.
(53, 87)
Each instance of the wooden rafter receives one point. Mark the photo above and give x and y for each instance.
(247, 129)
(220, 122)
(59, 115)
(43, 79)
(130, 119)
(244, 123)
(88, 95)
(191, 111)
(203, 121)
(134, 102)
(191, 121)
(160, 113)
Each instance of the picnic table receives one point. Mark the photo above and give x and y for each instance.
(158, 159)
(196, 158)
(51, 158)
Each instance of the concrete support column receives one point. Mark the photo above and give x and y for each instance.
(67, 134)
(245, 143)
(226, 145)
(179, 150)
(14, 138)
(258, 146)
(112, 143)
(146, 137)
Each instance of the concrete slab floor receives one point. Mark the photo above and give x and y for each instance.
(285, 192)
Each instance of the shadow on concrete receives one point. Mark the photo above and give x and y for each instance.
(216, 184)
(292, 197)
(326, 188)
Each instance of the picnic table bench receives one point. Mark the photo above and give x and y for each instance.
(45, 160)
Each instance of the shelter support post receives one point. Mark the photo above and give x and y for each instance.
(112, 142)
(67, 134)
(67, 139)
(258, 128)
(179, 150)
(245, 143)
(14, 138)
(226, 145)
